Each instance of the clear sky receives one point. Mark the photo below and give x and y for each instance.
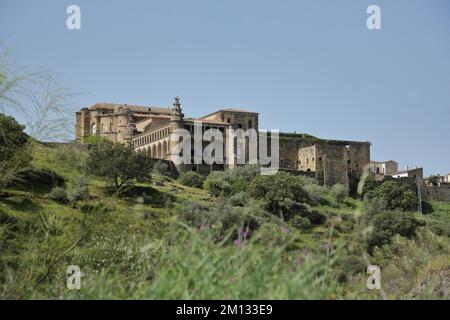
(307, 66)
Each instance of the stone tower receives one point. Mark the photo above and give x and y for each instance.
(122, 124)
(177, 116)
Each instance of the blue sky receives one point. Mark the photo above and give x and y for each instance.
(306, 66)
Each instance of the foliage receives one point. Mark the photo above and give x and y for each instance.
(277, 188)
(230, 182)
(339, 192)
(37, 97)
(416, 268)
(160, 168)
(396, 196)
(58, 194)
(199, 247)
(191, 179)
(223, 217)
(216, 184)
(388, 224)
(434, 179)
(317, 195)
(299, 222)
(370, 184)
(78, 190)
(14, 150)
(118, 162)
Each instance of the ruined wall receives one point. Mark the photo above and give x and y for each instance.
(435, 193)
(307, 159)
(332, 161)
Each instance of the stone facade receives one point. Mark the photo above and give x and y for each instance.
(332, 161)
(416, 173)
(384, 168)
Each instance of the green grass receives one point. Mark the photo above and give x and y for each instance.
(134, 247)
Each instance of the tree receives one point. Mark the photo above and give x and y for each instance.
(37, 97)
(434, 179)
(191, 179)
(118, 162)
(15, 153)
(388, 224)
(217, 185)
(278, 188)
(395, 195)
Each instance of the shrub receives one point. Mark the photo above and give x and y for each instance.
(370, 184)
(72, 157)
(316, 194)
(118, 162)
(387, 224)
(160, 168)
(191, 179)
(374, 205)
(396, 195)
(300, 222)
(239, 200)
(216, 184)
(15, 154)
(78, 190)
(339, 192)
(315, 217)
(58, 194)
(277, 188)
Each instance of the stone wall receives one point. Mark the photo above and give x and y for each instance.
(435, 193)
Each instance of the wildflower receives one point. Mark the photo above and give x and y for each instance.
(284, 229)
(245, 233)
(298, 260)
(238, 242)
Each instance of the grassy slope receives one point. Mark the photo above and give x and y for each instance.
(108, 233)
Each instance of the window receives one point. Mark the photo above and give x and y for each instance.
(229, 120)
(320, 158)
(249, 124)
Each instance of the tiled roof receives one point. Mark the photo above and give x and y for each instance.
(135, 108)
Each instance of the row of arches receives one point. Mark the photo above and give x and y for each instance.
(158, 150)
(151, 137)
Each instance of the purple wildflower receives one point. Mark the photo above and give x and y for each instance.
(284, 229)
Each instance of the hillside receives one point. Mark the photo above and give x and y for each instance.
(163, 240)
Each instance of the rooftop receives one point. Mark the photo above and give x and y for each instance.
(135, 108)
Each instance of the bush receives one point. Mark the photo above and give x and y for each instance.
(72, 157)
(78, 190)
(216, 184)
(160, 168)
(316, 194)
(370, 184)
(278, 188)
(191, 179)
(58, 194)
(299, 222)
(396, 196)
(15, 154)
(239, 200)
(118, 162)
(339, 192)
(387, 224)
